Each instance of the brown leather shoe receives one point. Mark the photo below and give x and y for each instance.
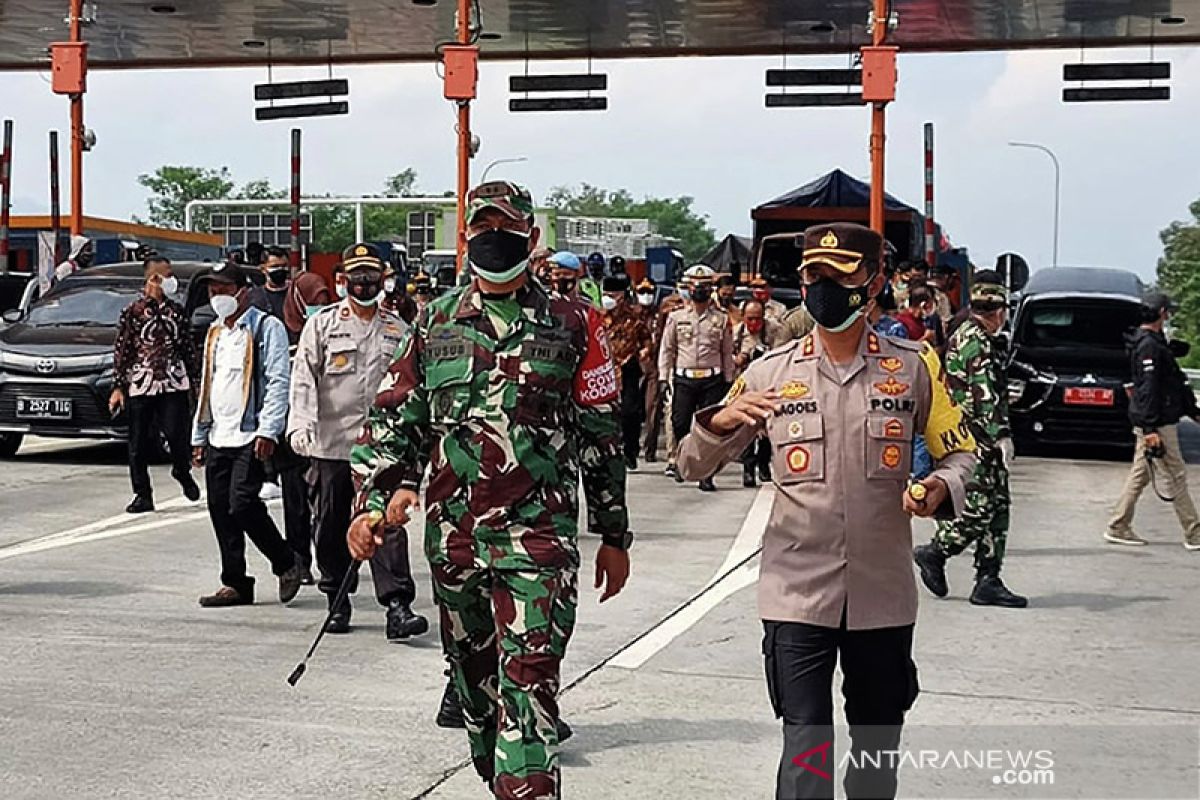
(225, 597)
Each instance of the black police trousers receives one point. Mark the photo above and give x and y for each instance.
(691, 395)
(170, 414)
(879, 685)
(633, 407)
(233, 478)
(298, 510)
(335, 501)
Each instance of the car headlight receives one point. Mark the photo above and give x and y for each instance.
(1016, 390)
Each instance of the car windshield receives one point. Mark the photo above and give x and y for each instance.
(88, 306)
(1075, 324)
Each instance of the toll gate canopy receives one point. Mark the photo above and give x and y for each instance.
(197, 33)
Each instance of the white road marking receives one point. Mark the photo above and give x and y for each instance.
(748, 539)
(57, 445)
(113, 527)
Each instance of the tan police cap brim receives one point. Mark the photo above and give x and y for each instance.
(841, 260)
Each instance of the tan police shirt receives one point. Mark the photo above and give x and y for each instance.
(838, 537)
(697, 342)
(338, 367)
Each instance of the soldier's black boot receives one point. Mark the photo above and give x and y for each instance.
(564, 730)
(140, 505)
(403, 623)
(991, 591)
(339, 620)
(748, 480)
(707, 485)
(450, 713)
(932, 563)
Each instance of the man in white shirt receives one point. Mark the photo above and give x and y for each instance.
(241, 413)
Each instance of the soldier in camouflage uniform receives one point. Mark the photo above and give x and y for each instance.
(975, 373)
(507, 395)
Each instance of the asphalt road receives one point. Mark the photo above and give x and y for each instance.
(114, 683)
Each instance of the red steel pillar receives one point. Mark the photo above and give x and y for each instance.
(295, 253)
(5, 192)
(55, 202)
(930, 244)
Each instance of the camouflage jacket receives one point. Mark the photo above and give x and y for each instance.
(976, 376)
(505, 425)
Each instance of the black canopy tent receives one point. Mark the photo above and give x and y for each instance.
(730, 251)
(839, 197)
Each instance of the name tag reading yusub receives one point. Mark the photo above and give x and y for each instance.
(445, 344)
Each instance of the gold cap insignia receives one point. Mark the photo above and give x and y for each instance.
(360, 250)
(830, 240)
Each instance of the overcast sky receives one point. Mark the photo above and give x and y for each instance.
(677, 127)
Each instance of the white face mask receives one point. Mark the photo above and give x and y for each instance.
(609, 303)
(389, 285)
(645, 299)
(341, 290)
(224, 306)
(170, 285)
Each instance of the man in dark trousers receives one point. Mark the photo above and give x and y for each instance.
(273, 297)
(155, 368)
(696, 356)
(1161, 397)
(343, 355)
(840, 407)
(241, 414)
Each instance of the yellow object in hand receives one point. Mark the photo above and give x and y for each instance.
(374, 518)
(917, 492)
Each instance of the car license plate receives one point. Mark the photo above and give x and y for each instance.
(44, 408)
(1088, 396)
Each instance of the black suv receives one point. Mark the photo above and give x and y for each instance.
(56, 355)
(1068, 365)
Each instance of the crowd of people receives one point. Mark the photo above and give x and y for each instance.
(880, 397)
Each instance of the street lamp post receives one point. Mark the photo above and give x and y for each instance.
(500, 161)
(1057, 187)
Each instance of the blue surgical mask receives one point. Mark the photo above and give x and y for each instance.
(686, 294)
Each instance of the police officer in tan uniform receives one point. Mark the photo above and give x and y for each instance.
(344, 351)
(696, 355)
(840, 408)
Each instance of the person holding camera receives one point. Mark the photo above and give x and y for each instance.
(1161, 396)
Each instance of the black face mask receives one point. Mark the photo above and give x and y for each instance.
(495, 253)
(701, 294)
(833, 306)
(279, 276)
(565, 285)
(725, 301)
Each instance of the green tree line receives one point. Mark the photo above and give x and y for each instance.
(171, 188)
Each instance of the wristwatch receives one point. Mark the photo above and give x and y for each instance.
(621, 541)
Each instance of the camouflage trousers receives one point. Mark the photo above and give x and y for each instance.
(984, 520)
(504, 633)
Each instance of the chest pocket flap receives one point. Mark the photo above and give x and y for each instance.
(798, 445)
(341, 358)
(448, 373)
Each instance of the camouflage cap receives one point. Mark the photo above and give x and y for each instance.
(510, 199)
(988, 287)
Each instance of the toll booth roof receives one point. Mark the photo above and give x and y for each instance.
(244, 32)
